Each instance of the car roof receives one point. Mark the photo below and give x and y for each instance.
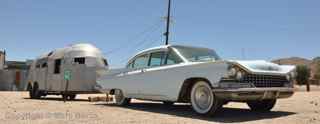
(159, 47)
(164, 47)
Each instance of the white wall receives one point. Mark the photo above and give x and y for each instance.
(7, 80)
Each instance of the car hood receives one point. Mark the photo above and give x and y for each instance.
(263, 67)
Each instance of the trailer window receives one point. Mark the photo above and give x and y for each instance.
(44, 65)
(80, 60)
(57, 66)
(105, 62)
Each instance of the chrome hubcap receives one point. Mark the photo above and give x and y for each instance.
(118, 96)
(202, 98)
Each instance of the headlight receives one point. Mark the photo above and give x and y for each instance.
(288, 77)
(239, 75)
(232, 72)
(292, 74)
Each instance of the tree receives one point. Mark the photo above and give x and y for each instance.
(317, 72)
(303, 74)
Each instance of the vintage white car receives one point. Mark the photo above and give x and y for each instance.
(175, 73)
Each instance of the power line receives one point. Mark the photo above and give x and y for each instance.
(146, 31)
(142, 44)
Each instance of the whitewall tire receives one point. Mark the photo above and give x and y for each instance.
(120, 99)
(203, 100)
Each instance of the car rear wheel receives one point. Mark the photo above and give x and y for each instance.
(264, 105)
(120, 99)
(69, 96)
(203, 100)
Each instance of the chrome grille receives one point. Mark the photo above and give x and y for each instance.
(265, 80)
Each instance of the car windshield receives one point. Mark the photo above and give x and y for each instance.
(195, 54)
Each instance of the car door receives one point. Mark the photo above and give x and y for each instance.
(150, 87)
(159, 77)
(131, 80)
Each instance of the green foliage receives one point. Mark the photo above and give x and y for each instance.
(303, 74)
(317, 73)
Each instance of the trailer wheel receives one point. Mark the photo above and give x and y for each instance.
(72, 97)
(36, 92)
(29, 88)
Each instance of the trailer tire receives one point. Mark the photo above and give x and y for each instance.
(29, 88)
(36, 91)
(64, 96)
(72, 96)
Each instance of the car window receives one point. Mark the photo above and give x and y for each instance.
(141, 61)
(130, 65)
(173, 58)
(197, 54)
(157, 59)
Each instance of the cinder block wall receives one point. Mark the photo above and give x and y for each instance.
(8, 80)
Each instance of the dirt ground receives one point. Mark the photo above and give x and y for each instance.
(17, 108)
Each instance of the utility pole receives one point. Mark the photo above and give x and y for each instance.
(168, 23)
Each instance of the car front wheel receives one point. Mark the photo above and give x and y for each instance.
(120, 99)
(264, 105)
(203, 100)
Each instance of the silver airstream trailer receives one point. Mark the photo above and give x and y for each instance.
(46, 76)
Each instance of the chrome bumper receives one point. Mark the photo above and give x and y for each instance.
(246, 94)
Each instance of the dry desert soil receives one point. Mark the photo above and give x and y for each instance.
(17, 108)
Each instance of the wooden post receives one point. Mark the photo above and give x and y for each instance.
(308, 86)
(66, 91)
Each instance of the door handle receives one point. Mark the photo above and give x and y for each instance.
(143, 70)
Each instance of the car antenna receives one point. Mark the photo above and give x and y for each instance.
(168, 23)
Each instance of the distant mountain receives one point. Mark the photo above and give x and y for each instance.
(312, 64)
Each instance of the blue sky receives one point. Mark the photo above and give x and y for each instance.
(236, 29)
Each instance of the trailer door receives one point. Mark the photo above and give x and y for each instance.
(54, 75)
(42, 74)
(79, 77)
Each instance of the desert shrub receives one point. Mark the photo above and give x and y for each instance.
(303, 74)
(317, 73)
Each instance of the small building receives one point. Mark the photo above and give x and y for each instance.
(13, 77)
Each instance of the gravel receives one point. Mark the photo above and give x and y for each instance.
(17, 108)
